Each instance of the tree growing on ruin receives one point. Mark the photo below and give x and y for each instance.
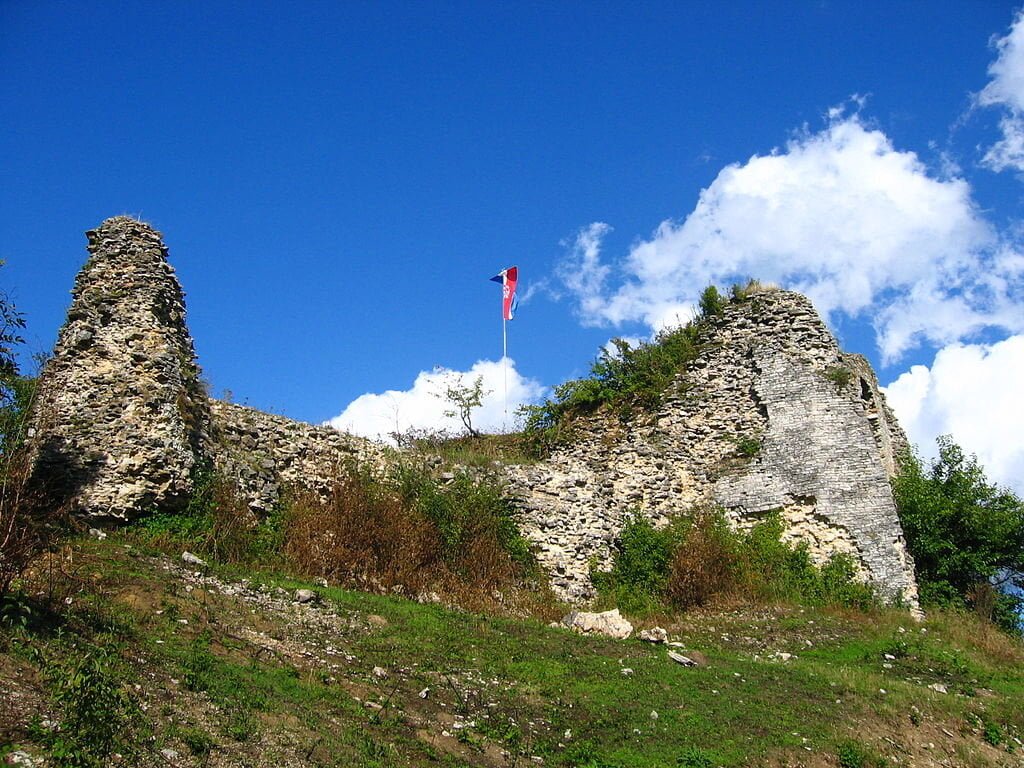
(463, 399)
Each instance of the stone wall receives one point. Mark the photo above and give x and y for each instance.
(121, 418)
(265, 454)
(122, 421)
(769, 377)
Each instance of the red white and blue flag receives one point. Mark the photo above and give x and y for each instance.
(508, 279)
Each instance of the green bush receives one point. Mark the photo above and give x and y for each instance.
(839, 375)
(711, 302)
(97, 710)
(963, 532)
(640, 568)
(625, 377)
(852, 754)
(465, 510)
(699, 558)
(217, 524)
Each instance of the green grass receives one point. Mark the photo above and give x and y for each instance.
(517, 685)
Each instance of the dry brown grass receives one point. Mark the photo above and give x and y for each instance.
(372, 535)
(966, 630)
(362, 537)
(28, 518)
(705, 567)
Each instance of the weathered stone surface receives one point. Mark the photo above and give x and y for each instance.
(265, 454)
(770, 417)
(122, 421)
(654, 635)
(609, 623)
(121, 417)
(768, 380)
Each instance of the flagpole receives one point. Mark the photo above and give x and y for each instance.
(504, 362)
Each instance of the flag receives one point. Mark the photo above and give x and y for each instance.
(508, 279)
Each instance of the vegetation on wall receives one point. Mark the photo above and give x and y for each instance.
(966, 535)
(700, 559)
(629, 378)
(409, 531)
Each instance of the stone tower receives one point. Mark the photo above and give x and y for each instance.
(121, 420)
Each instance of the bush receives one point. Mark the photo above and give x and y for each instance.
(217, 523)
(96, 709)
(640, 567)
(626, 377)
(410, 532)
(699, 559)
(711, 302)
(839, 375)
(963, 532)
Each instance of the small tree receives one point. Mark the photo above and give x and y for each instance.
(711, 302)
(963, 532)
(463, 398)
(11, 323)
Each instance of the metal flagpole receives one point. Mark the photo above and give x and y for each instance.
(504, 362)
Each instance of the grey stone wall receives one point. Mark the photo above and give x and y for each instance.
(266, 454)
(765, 377)
(121, 418)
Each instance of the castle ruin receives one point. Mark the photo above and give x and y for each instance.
(124, 423)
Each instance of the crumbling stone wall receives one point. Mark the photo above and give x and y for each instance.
(266, 454)
(768, 381)
(121, 418)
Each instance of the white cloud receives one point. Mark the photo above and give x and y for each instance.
(840, 215)
(1006, 90)
(582, 271)
(973, 393)
(378, 415)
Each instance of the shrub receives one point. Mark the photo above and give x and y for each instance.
(217, 523)
(96, 709)
(963, 532)
(409, 531)
(839, 375)
(640, 567)
(700, 558)
(711, 302)
(706, 562)
(626, 377)
(748, 447)
(852, 754)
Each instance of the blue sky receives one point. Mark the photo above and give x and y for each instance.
(337, 182)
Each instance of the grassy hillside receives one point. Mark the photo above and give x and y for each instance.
(130, 651)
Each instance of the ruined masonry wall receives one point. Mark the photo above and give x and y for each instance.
(265, 454)
(826, 453)
(120, 418)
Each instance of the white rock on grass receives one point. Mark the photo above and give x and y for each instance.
(608, 623)
(191, 559)
(653, 635)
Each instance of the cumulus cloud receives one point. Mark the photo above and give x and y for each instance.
(582, 271)
(973, 393)
(1005, 90)
(377, 415)
(840, 215)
